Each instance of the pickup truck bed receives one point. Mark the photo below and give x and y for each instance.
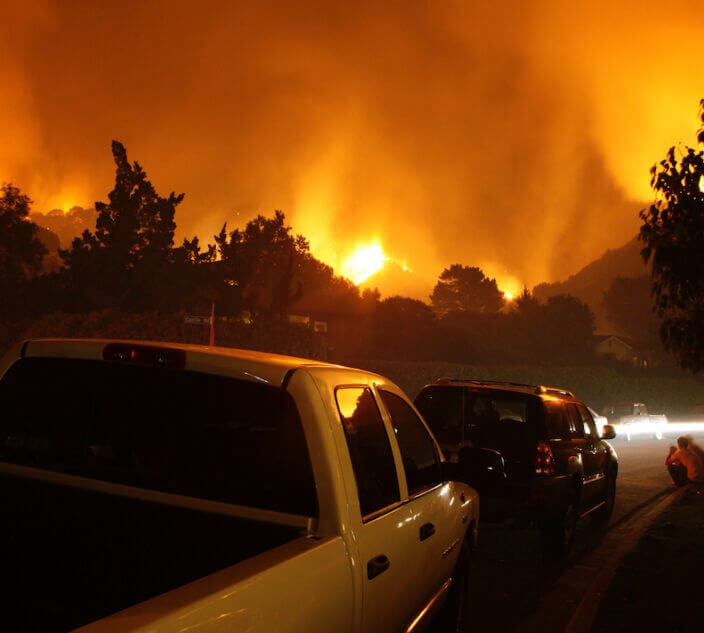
(103, 553)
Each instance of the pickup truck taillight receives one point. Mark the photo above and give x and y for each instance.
(544, 460)
(145, 355)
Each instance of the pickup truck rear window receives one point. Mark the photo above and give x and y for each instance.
(188, 433)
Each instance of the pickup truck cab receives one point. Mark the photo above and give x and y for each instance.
(632, 419)
(162, 487)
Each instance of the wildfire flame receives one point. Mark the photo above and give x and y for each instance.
(365, 261)
(65, 199)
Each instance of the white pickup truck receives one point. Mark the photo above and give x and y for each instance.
(161, 487)
(631, 419)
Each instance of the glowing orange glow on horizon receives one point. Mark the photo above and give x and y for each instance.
(509, 286)
(65, 199)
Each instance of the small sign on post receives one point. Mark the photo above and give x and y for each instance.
(194, 319)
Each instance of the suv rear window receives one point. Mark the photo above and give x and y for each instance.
(171, 430)
(492, 418)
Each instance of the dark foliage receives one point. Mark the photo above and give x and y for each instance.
(21, 251)
(629, 307)
(262, 266)
(401, 328)
(126, 262)
(466, 289)
(673, 236)
(125, 278)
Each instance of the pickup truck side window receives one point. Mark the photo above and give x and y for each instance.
(370, 450)
(189, 433)
(420, 458)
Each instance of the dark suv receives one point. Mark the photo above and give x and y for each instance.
(556, 466)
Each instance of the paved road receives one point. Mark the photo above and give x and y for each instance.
(514, 590)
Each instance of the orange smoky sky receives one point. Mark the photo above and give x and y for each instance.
(514, 136)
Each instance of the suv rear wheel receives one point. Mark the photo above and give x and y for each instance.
(604, 512)
(557, 532)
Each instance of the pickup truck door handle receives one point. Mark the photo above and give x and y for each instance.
(426, 531)
(377, 566)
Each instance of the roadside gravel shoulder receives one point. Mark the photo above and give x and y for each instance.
(583, 596)
(656, 586)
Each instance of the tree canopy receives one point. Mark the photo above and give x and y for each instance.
(629, 307)
(673, 236)
(262, 264)
(126, 260)
(128, 264)
(21, 252)
(559, 330)
(465, 289)
(401, 328)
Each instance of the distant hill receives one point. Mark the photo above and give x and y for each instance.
(590, 283)
(66, 226)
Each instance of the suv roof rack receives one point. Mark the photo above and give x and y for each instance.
(553, 391)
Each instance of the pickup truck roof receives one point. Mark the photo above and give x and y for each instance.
(238, 363)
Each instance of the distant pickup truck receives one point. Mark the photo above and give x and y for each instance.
(161, 487)
(631, 419)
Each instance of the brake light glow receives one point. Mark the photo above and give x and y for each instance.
(544, 460)
(145, 355)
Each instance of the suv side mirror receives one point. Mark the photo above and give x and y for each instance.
(608, 432)
(481, 468)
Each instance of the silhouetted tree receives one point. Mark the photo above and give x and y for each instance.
(523, 329)
(629, 306)
(325, 293)
(126, 262)
(261, 265)
(673, 235)
(194, 277)
(401, 329)
(567, 330)
(471, 337)
(561, 330)
(465, 289)
(21, 252)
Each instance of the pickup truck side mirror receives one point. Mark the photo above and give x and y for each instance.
(481, 468)
(608, 432)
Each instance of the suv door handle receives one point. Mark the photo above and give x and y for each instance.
(377, 566)
(426, 531)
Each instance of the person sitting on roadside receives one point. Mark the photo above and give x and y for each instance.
(694, 447)
(684, 465)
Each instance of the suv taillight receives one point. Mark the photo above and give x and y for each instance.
(544, 460)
